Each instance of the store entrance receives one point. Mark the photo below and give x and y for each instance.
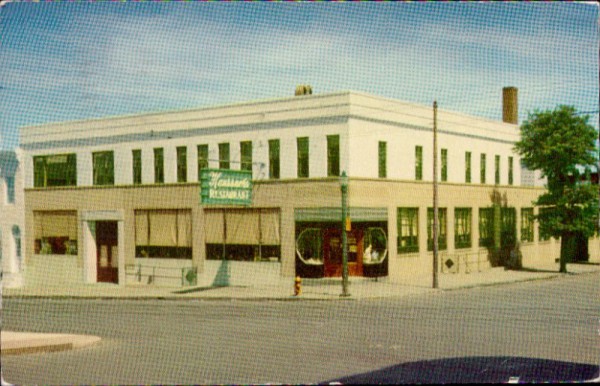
(332, 256)
(107, 251)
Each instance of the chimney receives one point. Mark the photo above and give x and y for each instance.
(510, 106)
(303, 89)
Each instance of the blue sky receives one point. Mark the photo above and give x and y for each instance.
(63, 61)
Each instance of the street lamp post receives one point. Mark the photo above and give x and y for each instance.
(344, 187)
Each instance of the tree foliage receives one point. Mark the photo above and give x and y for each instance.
(562, 145)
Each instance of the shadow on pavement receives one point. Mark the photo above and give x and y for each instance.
(201, 289)
(477, 370)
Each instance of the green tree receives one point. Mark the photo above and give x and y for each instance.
(562, 144)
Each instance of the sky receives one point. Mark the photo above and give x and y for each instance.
(63, 61)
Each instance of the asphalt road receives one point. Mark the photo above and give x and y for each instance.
(210, 342)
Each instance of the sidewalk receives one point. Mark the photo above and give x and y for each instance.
(312, 289)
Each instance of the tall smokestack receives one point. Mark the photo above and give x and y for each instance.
(510, 105)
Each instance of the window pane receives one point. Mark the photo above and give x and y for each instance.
(163, 233)
(246, 155)
(486, 227)
(223, 156)
(202, 158)
(408, 230)
(442, 239)
(497, 170)
(510, 170)
(462, 228)
(55, 170)
(302, 144)
(55, 233)
(159, 166)
(333, 155)
(382, 159)
(482, 169)
(104, 171)
(444, 165)
(137, 166)
(468, 167)
(274, 158)
(182, 164)
(527, 224)
(418, 163)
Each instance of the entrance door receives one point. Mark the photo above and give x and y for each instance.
(332, 256)
(107, 251)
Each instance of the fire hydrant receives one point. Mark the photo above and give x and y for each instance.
(297, 286)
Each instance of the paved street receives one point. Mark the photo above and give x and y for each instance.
(216, 341)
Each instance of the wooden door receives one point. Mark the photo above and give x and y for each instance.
(107, 251)
(332, 253)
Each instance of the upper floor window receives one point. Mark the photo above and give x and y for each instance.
(202, 158)
(224, 156)
(408, 230)
(246, 155)
(333, 155)
(10, 190)
(302, 145)
(418, 163)
(444, 165)
(497, 170)
(182, 164)
(104, 168)
(54, 170)
(468, 167)
(136, 156)
(274, 160)
(462, 228)
(510, 170)
(159, 165)
(482, 169)
(382, 159)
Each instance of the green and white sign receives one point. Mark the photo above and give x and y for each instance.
(225, 187)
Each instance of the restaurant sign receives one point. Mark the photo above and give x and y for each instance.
(225, 187)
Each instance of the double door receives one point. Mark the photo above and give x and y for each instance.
(333, 253)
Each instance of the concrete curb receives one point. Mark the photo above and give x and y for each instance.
(19, 343)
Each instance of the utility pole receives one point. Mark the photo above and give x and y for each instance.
(435, 199)
(344, 188)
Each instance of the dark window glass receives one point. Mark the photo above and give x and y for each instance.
(527, 224)
(486, 227)
(10, 190)
(510, 170)
(159, 166)
(418, 163)
(442, 234)
(497, 170)
(482, 169)
(182, 164)
(408, 230)
(137, 166)
(468, 167)
(224, 156)
(444, 165)
(274, 158)
(54, 170)
(333, 155)
(246, 155)
(202, 158)
(382, 159)
(462, 228)
(104, 169)
(302, 144)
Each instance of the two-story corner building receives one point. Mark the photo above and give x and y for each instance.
(119, 199)
(12, 221)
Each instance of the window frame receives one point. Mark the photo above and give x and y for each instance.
(182, 170)
(43, 179)
(246, 155)
(419, 163)
(497, 170)
(467, 167)
(408, 217)
(103, 166)
(303, 154)
(482, 168)
(274, 159)
(444, 166)
(159, 165)
(136, 166)
(333, 155)
(510, 170)
(382, 159)
(463, 216)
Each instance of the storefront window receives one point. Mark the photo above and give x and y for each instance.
(527, 224)
(163, 234)
(462, 228)
(55, 233)
(408, 230)
(442, 243)
(375, 244)
(486, 227)
(309, 246)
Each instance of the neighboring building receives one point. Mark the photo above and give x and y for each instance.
(119, 199)
(12, 221)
